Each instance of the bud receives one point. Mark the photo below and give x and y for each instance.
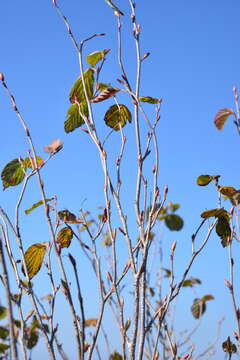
(145, 56)
(228, 284)
(165, 191)
(109, 276)
(71, 258)
(54, 2)
(1, 77)
(173, 247)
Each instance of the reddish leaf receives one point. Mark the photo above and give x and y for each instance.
(221, 117)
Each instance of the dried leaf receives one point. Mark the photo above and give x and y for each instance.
(229, 347)
(221, 117)
(54, 147)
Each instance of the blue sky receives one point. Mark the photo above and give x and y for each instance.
(193, 66)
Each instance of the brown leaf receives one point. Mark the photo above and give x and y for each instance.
(221, 117)
(54, 147)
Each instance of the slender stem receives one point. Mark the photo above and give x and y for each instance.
(13, 344)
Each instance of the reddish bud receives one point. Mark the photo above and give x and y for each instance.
(228, 284)
(145, 56)
(105, 216)
(1, 77)
(173, 247)
(71, 258)
(101, 34)
(165, 191)
(122, 231)
(85, 130)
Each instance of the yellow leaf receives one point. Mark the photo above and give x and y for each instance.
(29, 162)
(34, 258)
(65, 236)
(90, 322)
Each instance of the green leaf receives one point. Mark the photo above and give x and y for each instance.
(13, 173)
(191, 282)
(229, 347)
(115, 356)
(173, 207)
(204, 180)
(74, 120)
(214, 213)
(168, 272)
(37, 204)
(149, 99)
(221, 117)
(198, 308)
(173, 222)
(29, 162)
(117, 116)
(32, 338)
(3, 312)
(3, 347)
(64, 237)
(223, 230)
(96, 56)
(77, 93)
(34, 258)
(102, 86)
(3, 333)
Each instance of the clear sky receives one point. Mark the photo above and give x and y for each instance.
(193, 66)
